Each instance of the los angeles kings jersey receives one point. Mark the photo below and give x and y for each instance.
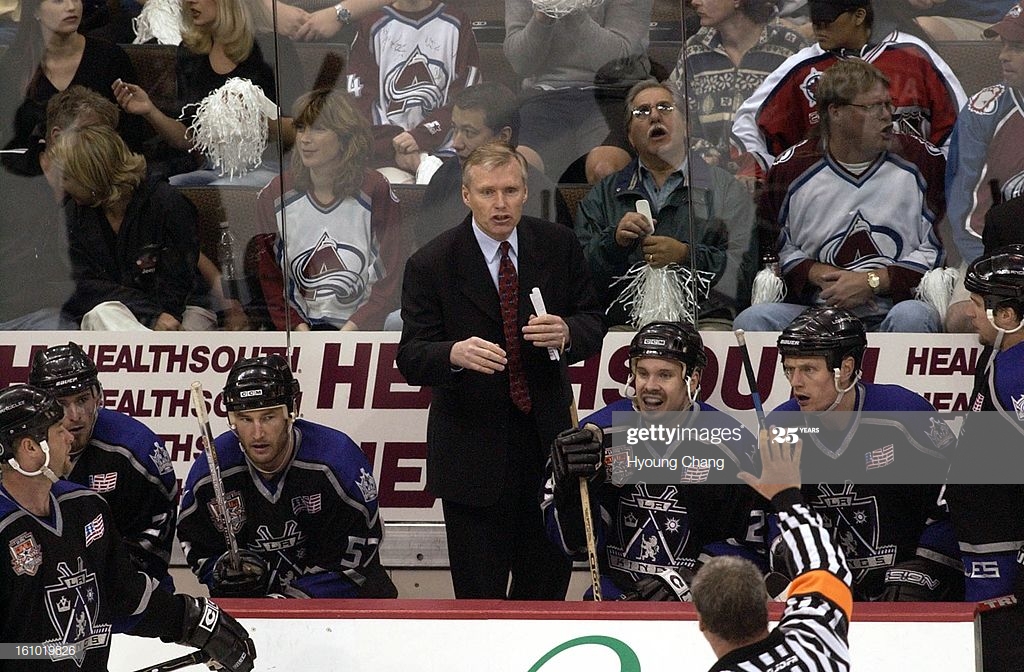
(316, 524)
(878, 525)
(65, 578)
(648, 527)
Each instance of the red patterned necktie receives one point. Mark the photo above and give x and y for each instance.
(508, 295)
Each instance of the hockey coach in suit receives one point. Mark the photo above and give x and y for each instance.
(499, 400)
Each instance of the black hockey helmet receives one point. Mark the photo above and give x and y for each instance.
(823, 331)
(670, 340)
(63, 370)
(26, 410)
(260, 382)
(998, 277)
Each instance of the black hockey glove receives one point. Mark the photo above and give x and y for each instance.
(251, 579)
(922, 580)
(578, 453)
(214, 631)
(668, 585)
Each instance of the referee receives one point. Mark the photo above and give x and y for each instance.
(732, 603)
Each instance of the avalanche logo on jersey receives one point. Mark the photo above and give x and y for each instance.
(854, 524)
(654, 529)
(72, 604)
(862, 246)
(416, 82)
(26, 555)
(236, 512)
(809, 87)
(986, 101)
(103, 482)
(330, 270)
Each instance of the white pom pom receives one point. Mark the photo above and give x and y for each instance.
(160, 19)
(671, 294)
(768, 286)
(230, 126)
(556, 9)
(936, 288)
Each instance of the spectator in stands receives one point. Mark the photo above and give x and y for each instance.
(223, 39)
(858, 211)
(10, 14)
(944, 20)
(47, 56)
(558, 59)
(702, 216)
(134, 243)
(406, 91)
(783, 110)
(320, 19)
(336, 260)
(481, 114)
(734, 50)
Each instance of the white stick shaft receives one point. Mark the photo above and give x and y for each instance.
(199, 404)
(539, 309)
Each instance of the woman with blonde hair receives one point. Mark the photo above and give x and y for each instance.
(134, 242)
(336, 257)
(223, 39)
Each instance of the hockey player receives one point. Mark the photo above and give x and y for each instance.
(68, 574)
(987, 518)
(783, 110)
(653, 528)
(115, 456)
(300, 497)
(889, 533)
(731, 600)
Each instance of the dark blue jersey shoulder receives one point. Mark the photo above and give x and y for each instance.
(123, 434)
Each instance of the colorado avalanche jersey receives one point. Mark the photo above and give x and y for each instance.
(878, 525)
(885, 217)
(127, 464)
(985, 146)
(316, 524)
(989, 527)
(783, 110)
(649, 527)
(341, 260)
(405, 67)
(66, 577)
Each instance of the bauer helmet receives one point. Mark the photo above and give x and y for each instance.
(26, 410)
(670, 340)
(260, 382)
(998, 277)
(63, 370)
(823, 331)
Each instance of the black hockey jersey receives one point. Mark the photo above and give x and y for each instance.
(649, 527)
(316, 524)
(66, 578)
(876, 525)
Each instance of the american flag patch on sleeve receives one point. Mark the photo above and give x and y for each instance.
(880, 457)
(94, 530)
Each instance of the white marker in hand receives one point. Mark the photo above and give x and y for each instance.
(539, 309)
(644, 208)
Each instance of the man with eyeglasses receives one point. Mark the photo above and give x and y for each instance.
(702, 217)
(786, 108)
(855, 213)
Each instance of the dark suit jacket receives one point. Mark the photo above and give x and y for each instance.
(1004, 225)
(448, 296)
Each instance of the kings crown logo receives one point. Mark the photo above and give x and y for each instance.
(367, 485)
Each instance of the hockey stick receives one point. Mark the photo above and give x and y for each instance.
(748, 368)
(199, 404)
(194, 658)
(588, 519)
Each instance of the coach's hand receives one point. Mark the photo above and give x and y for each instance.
(478, 355)
(217, 633)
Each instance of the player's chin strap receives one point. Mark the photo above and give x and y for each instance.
(840, 392)
(629, 392)
(1000, 332)
(42, 471)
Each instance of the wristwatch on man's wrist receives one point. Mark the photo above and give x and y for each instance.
(344, 16)
(874, 281)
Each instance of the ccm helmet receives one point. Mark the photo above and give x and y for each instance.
(822, 331)
(26, 411)
(63, 370)
(260, 382)
(670, 340)
(998, 277)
